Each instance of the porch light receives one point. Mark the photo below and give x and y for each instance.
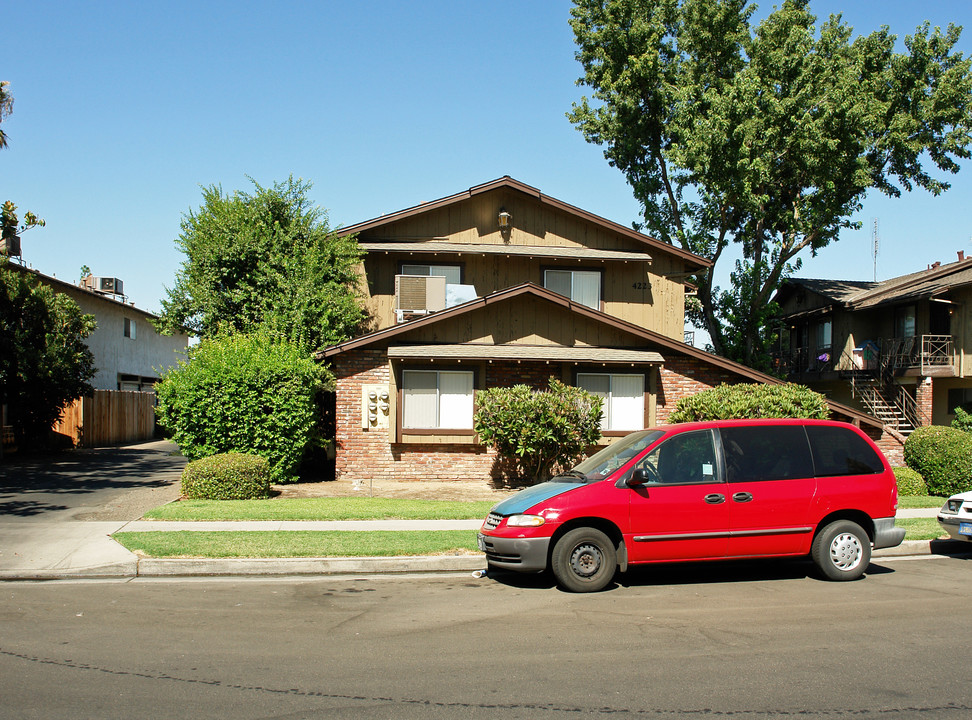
(505, 220)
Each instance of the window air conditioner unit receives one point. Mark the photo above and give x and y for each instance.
(110, 285)
(419, 293)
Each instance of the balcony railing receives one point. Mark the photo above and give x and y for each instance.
(923, 352)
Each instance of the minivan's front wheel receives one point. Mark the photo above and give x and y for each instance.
(842, 550)
(584, 560)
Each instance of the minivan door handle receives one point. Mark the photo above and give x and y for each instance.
(715, 498)
(742, 497)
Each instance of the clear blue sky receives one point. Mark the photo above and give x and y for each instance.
(123, 110)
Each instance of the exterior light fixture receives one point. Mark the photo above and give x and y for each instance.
(505, 220)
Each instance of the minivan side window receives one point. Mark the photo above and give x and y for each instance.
(684, 459)
(839, 451)
(761, 453)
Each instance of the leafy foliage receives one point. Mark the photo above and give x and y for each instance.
(44, 362)
(728, 402)
(228, 476)
(244, 393)
(534, 431)
(942, 456)
(963, 420)
(766, 137)
(264, 260)
(909, 482)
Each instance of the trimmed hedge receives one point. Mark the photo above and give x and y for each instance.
(253, 394)
(742, 402)
(909, 482)
(229, 476)
(942, 456)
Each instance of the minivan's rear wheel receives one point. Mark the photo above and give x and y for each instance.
(842, 550)
(584, 560)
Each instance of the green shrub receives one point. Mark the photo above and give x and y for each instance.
(229, 476)
(942, 456)
(909, 482)
(244, 393)
(962, 421)
(730, 402)
(534, 431)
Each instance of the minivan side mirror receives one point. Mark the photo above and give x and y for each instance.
(639, 478)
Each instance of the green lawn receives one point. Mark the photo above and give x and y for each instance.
(331, 543)
(912, 502)
(298, 543)
(328, 508)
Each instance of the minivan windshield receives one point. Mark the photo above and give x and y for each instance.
(602, 463)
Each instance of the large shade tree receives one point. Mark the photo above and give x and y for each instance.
(765, 138)
(264, 260)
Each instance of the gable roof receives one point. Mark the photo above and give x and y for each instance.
(693, 261)
(859, 295)
(538, 293)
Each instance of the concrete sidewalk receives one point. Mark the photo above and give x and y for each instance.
(82, 549)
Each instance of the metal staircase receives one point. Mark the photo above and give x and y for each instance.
(892, 404)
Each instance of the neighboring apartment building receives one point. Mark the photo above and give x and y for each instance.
(500, 285)
(128, 356)
(128, 352)
(898, 349)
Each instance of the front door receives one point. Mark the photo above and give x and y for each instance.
(681, 512)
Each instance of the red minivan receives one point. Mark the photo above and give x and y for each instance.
(704, 491)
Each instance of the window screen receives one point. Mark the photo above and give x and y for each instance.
(623, 396)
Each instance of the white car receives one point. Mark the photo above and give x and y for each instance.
(956, 516)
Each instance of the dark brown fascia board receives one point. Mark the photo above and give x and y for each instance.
(507, 182)
(917, 279)
(543, 293)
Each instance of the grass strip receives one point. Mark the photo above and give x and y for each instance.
(349, 543)
(326, 508)
(298, 543)
(915, 502)
(920, 528)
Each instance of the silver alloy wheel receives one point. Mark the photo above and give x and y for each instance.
(846, 552)
(586, 559)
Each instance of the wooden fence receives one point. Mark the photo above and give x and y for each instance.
(111, 417)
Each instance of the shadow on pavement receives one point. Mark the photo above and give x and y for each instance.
(30, 486)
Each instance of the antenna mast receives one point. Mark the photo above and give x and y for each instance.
(876, 242)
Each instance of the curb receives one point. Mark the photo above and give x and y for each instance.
(398, 565)
(179, 567)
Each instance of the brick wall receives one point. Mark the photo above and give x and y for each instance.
(683, 376)
(923, 397)
(366, 455)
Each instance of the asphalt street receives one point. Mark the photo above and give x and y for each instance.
(740, 640)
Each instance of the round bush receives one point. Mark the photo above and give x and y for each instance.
(909, 482)
(736, 402)
(230, 476)
(942, 456)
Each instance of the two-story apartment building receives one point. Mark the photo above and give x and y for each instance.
(501, 285)
(898, 349)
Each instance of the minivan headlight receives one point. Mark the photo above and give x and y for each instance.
(524, 521)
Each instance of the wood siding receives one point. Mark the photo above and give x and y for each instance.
(637, 292)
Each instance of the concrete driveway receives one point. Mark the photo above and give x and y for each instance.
(57, 513)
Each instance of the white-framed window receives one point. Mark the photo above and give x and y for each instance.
(623, 395)
(452, 273)
(437, 399)
(128, 329)
(581, 286)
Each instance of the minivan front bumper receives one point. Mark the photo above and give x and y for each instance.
(519, 554)
(886, 535)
